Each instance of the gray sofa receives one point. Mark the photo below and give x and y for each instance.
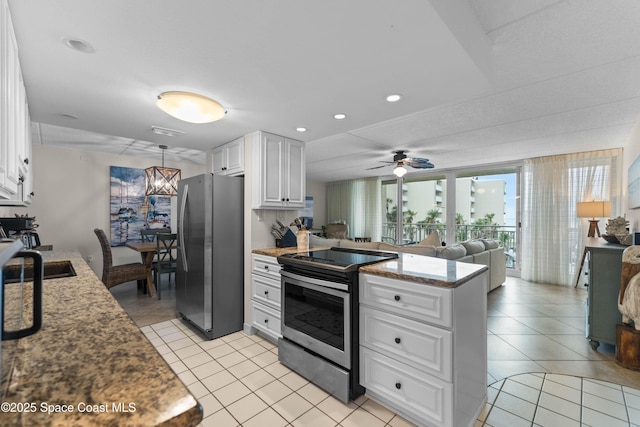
(476, 251)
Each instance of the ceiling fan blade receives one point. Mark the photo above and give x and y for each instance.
(419, 163)
(377, 167)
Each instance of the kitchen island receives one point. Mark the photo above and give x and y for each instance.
(89, 364)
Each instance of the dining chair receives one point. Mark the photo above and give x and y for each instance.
(165, 261)
(113, 275)
(149, 234)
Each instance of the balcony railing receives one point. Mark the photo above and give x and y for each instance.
(415, 232)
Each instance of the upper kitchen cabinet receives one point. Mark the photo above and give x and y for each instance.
(228, 159)
(279, 180)
(15, 124)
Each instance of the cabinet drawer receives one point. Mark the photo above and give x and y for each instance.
(266, 290)
(266, 320)
(266, 265)
(417, 301)
(424, 347)
(405, 389)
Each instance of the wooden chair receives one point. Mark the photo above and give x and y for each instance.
(165, 261)
(113, 275)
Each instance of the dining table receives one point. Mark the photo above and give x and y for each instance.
(147, 253)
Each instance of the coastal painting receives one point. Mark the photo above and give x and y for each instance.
(131, 210)
(634, 184)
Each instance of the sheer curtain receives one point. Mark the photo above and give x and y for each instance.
(358, 204)
(553, 237)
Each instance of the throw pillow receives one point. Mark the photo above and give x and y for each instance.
(473, 246)
(432, 239)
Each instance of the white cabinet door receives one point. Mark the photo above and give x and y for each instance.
(295, 173)
(228, 159)
(15, 126)
(218, 159)
(279, 172)
(235, 157)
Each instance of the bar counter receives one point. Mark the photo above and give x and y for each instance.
(89, 364)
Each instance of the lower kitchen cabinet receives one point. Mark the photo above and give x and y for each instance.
(423, 348)
(265, 297)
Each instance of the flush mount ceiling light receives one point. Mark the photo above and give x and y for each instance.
(190, 107)
(394, 97)
(400, 170)
(301, 129)
(339, 116)
(161, 181)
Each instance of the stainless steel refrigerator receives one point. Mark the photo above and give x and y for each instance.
(210, 278)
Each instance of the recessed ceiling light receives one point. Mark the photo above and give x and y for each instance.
(394, 97)
(339, 116)
(301, 129)
(79, 45)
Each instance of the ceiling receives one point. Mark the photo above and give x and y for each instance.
(483, 81)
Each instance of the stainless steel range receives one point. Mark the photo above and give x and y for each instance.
(320, 316)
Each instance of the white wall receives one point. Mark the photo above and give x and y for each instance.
(72, 198)
(631, 152)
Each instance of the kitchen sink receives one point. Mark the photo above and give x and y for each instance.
(52, 270)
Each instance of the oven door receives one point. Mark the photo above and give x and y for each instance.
(316, 316)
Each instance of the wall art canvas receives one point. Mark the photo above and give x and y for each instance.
(633, 190)
(131, 210)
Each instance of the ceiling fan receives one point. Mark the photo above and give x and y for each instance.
(400, 159)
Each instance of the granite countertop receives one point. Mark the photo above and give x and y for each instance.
(425, 269)
(410, 267)
(90, 356)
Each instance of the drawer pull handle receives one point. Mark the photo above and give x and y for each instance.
(266, 292)
(266, 267)
(398, 386)
(397, 340)
(397, 298)
(266, 320)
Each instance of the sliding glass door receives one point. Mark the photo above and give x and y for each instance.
(459, 206)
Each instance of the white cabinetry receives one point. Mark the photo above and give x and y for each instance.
(265, 295)
(279, 179)
(228, 159)
(15, 124)
(423, 348)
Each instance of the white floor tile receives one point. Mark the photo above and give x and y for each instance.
(246, 407)
(547, 418)
(560, 406)
(593, 418)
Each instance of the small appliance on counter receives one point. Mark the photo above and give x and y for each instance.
(22, 228)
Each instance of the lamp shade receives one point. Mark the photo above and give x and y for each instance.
(594, 209)
(190, 107)
(400, 170)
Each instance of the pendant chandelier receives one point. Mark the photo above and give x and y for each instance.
(161, 181)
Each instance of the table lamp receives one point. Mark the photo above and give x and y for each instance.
(593, 210)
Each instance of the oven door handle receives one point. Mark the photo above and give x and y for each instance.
(317, 282)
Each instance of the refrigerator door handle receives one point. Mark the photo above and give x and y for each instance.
(181, 228)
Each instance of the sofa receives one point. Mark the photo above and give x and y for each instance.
(476, 251)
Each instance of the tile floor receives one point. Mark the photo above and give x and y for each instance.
(541, 371)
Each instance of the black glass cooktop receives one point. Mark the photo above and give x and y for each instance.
(342, 258)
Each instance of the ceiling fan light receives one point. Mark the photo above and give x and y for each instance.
(400, 170)
(190, 107)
